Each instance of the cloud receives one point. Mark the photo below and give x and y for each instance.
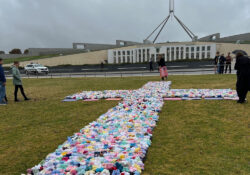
(59, 23)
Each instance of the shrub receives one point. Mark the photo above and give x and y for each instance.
(26, 51)
(15, 51)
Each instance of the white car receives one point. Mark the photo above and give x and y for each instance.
(36, 69)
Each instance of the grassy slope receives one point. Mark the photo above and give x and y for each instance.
(33, 58)
(204, 138)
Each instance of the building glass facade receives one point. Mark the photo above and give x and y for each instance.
(170, 52)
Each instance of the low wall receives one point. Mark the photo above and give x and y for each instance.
(54, 51)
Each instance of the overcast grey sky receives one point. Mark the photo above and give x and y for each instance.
(59, 23)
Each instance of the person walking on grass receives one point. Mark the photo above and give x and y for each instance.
(163, 68)
(6, 99)
(2, 85)
(228, 63)
(17, 81)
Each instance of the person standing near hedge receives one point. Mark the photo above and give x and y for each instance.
(2, 84)
(17, 81)
(228, 63)
(222, 61)
(216, 63)
(151, 68)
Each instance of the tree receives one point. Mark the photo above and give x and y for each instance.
(15, 51)
(26, 51)
(2, 52)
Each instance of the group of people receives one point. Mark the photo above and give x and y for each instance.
(242, 67)
(17, 81)
(220, 62)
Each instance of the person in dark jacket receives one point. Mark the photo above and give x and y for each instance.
(222, 61)
(216, 62)
(163, 68)
(102, 66)
(2, 84)
(151, 68)
(243, 76)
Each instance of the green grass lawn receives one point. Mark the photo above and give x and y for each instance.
(192, 137)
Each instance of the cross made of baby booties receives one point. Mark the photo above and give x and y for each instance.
(117, 142)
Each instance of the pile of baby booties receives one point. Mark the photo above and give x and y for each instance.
(117, 142)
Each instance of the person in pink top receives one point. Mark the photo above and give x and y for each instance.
(163, 68)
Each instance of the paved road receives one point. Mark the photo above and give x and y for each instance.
(128, 67)
(204, 71)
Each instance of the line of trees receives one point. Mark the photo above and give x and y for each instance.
(16, 51)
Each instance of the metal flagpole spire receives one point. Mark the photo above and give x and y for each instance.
(164, 22)
(171, 7)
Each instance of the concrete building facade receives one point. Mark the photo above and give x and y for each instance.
(241, 38)
(93, 46)
(97, 46)
(143, 53)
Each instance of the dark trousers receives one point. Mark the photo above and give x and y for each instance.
(228, 66)
(164, 78)
(242, 93)
(151, 68)
(242, 88)
(22, 91)
(222, 69)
